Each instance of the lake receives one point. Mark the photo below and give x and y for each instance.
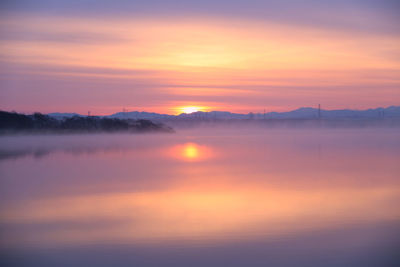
(202, 197)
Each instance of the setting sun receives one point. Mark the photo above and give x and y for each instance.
(190, 109)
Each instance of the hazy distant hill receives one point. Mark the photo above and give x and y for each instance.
(393, 111)
(58, 115)
(301, 113)
(140, 115)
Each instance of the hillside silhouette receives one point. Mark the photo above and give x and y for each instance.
(37, 122)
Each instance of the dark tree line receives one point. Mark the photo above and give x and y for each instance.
(11, 121)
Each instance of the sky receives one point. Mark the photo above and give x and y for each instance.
(167, 55)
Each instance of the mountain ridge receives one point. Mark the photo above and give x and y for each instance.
(300, 113)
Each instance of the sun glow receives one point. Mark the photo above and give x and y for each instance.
(190, 109)
(190, 152)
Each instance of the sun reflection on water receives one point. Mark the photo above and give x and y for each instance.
(201, 191)
(190, 152)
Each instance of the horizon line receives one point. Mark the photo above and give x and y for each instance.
(200, 111)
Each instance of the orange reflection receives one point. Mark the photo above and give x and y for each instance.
(190, 152)
(202, 215)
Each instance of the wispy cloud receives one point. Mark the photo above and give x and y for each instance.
(239, 56)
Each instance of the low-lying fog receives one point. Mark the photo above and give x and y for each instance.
(202, 197)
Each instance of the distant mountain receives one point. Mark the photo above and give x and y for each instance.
(58, 115)
(140, 115)
(301, 113)
(304, 113)
(214, 115)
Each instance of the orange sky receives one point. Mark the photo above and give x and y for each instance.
(75, 64)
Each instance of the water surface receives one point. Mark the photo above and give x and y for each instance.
(209, 197)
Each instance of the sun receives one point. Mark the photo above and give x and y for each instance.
(190, 109)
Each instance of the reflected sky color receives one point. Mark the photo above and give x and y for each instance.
(205, 215)
(208, 189)
(163, 56)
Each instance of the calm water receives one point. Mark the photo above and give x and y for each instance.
(207, 197)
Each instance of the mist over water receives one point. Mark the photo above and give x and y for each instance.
(202, 197)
